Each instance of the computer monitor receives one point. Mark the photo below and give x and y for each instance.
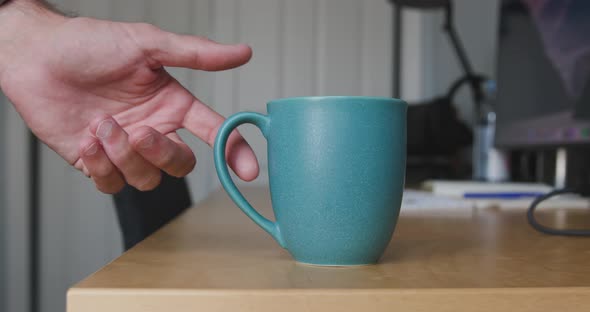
(543, 74)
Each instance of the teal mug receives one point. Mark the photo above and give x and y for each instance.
(336, 169)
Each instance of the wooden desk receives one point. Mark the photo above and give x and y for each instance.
(213, 258)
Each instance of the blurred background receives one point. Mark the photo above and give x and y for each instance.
(304, 47)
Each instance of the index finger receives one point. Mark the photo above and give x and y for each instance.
(204, 122)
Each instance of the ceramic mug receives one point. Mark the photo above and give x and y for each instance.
(336, 169)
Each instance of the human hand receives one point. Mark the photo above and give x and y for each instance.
(96, 93)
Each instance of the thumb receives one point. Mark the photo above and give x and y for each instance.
(174, 50)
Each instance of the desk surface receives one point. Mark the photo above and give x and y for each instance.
(213, 257)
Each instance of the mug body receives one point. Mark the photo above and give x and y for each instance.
(336, 173)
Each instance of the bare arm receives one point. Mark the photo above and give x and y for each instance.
(97, 93)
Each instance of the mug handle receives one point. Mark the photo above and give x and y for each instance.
(262, 122)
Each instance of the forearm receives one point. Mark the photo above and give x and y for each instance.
(21, 23)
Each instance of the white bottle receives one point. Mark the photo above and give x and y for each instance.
(489, 163)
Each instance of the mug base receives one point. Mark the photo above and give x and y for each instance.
(336, 265)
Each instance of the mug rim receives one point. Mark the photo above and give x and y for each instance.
(287, 100)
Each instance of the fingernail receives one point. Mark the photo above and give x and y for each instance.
(91, 150)
(104, 129)
(147, 142)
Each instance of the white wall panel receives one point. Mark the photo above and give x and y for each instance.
(376, 48)
(129, 10)
(17, 240)
(260, 26)
(3, 210)
(414, 55)
(340, 47)
(56, 216)
(96, 9)
(299, 47)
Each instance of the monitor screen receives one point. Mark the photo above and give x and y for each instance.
(543, 73)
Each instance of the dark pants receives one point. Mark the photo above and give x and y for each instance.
(142, 213)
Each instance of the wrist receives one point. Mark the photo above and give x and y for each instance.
(22, 22)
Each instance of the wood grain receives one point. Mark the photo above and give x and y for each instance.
(480, 260)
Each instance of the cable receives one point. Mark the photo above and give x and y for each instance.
(547, 230)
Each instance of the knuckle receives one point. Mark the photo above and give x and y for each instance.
(149, 37)
(125, 158)
(144, 30)
(166, 160)
(103, 170)
(148, 27)
(211, 136)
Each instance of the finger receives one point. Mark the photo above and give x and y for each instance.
(204, 122)
(170, 49)
(98, 166)
(137, 171)
(172, 156)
